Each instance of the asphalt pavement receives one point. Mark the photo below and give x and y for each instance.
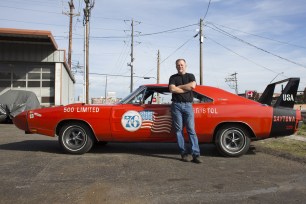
(33, 169)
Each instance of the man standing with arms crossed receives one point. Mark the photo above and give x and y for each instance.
(181, 86)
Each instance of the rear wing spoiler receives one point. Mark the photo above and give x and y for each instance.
(287, 97)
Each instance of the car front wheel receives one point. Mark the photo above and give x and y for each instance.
(233, 140)
(76, 138)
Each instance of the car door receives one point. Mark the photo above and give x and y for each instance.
(145, 117)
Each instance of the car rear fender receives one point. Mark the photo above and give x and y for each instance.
(64, 122)
(285, 122)
(251, 132)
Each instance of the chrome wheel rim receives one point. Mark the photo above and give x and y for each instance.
(74, 138)
(233, 140)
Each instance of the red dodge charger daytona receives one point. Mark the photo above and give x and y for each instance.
(225, 119)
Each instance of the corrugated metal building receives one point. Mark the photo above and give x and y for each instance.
(30, 60)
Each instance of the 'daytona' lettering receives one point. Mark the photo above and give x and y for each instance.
(283, 118)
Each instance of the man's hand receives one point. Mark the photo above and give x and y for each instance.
(188, 87)
(176, 89)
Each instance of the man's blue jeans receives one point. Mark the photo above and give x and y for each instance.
(182, 114)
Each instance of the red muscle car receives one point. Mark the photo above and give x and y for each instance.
(225, 119)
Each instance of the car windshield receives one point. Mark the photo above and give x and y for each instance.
(132, 95)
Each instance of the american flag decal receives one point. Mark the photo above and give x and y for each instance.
(157, 123)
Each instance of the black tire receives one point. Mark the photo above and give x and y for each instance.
(233, 140)
(101, 143)
(76, 138)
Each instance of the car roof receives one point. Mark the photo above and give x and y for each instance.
(217, 94)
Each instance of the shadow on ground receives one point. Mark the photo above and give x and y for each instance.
(163, 150)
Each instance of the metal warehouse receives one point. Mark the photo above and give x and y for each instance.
(30, 60)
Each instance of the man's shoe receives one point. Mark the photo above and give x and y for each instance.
(185, 158)
(196, 159)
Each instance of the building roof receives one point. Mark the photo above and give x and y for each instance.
(40, 36)
(31, 36)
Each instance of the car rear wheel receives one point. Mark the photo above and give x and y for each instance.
(76, 138)
(233, 140)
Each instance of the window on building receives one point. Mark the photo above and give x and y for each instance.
(5, 75)
(38, 78)
(47, 83)
(5, 83)
(19, 74)
(34, 76)
(33, 84)
(48, 76)
(19, 84)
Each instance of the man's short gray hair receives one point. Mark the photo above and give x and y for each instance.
(180, 60)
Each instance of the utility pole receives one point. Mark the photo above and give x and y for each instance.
(158, 67)
(158, 74)
(233, 82)
(132, 56)
(201, 44)
(71, 15)
(131, 64)
(105, 87)
(87, 10)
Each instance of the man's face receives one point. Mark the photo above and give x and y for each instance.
(181, 67)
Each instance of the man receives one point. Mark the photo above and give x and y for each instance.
(181, 86)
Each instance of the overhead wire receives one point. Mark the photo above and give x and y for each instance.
(146, 34)
(250, 44)
(165, 31)
(40, 11)
(259, 36)
(209, 38)
(31, 2)
(3, 19)
(207, 10)
(168, 56)
(121, 59)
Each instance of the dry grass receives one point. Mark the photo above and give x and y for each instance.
(285, 146)
(302, 131)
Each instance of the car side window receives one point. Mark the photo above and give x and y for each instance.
(158, 98)
(199, 98)
(157, 95)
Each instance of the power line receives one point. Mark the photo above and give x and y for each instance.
(3, 19)
(114, 19)
(33, 2)
(121, 59)
(259, 36)
(166, 31)
(207, 9)
(40, 11)
(147, 34)
(241, 55)
(250, 44)
(170, 55)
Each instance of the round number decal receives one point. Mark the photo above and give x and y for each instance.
(131, 121)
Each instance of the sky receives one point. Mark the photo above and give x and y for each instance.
(260, 40)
